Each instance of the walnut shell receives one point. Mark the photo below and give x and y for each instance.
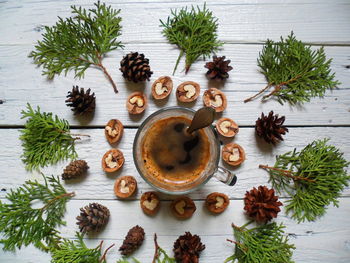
(112, 160)
(217, 202)
(139, 105)
(227, 127)
(114, 131)
(162, 88)
(185, 93)
(125, 186)
(231, 156)
(183, 207)
(150, 203)
(215, 98)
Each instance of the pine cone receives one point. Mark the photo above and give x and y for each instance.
(271, 128)
(261, 204)
(75, 169)
(187, 248)
(135, 67)
(93, 217)
(132, 241)
(81, 101)
(218, 68)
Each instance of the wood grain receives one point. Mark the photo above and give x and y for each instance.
(21, 82)
(12, 172)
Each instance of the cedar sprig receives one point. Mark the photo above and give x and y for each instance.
(261, 244)
(22, 225)
(160, 256)
(80, 41)
(294, 71)
(76, 251)
(46, 139)
(313, 177)
(194, 31)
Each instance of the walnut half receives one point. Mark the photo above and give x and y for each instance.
(114, 130)
(136, 103)
(150, 203)
(162, 88)
(217, 202)
(125, 186)
(227, 127)
(183, 207)
(233, 154)
(216, 99)
(112, 160)
(188, 91)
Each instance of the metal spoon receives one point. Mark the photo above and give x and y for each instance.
(202, 118)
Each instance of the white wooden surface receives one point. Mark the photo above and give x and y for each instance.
(244, 25)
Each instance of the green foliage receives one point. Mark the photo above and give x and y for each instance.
(262, 244)
(76, 252)
(294, 71)
(77, 42)
(314, 177)
(163, 257)
(45, 139)
(21, 224)
(194, 32)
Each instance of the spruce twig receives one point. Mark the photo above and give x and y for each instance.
(294, 71)
(80, 41)
(22, 225)
(314, 177)
(46, 139)
(194, 32)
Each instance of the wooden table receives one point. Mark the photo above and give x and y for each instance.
(244, 25)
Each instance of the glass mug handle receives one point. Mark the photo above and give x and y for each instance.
(225, 176)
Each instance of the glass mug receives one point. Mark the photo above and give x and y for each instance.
(212, 168)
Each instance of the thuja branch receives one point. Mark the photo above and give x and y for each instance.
(314, 177)
(46, 139)
(294, 72)
(80, 41)
(22, 225)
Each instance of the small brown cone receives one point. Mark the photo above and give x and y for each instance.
(81, 102)
(135, 67)
(218, 68)
(270, 127)
(93, 217)
(187, 248)
(132, 241)
(75, 169)
(261, 204)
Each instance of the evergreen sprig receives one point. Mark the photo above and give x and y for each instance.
(193, 31)
(22, 225)
(78, 42)
(313, 177)
(76, 251)
(294, 71)
(262, 244)
(45, 139)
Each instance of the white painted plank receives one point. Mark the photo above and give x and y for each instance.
(243, 21)
(98, 185)
(326, 240)
(21, 82)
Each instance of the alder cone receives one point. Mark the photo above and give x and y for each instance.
(93, 217)
(187, 248)
(218, 68)
(270, 127)
(132, 241)
(261, 204)
(75, 169)
(80, 101)
(135, 67)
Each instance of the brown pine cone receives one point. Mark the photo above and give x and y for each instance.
(75, 169)
(187, 248)
(271, 127)
(219, 68)
(132, 241)
(261, 204)
(81, 102)
(93, 217)
(135, 67)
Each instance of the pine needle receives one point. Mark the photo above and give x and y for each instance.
(313, 177)
(22, 225)
(194, 32)
(80, 41)
(294, 71)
